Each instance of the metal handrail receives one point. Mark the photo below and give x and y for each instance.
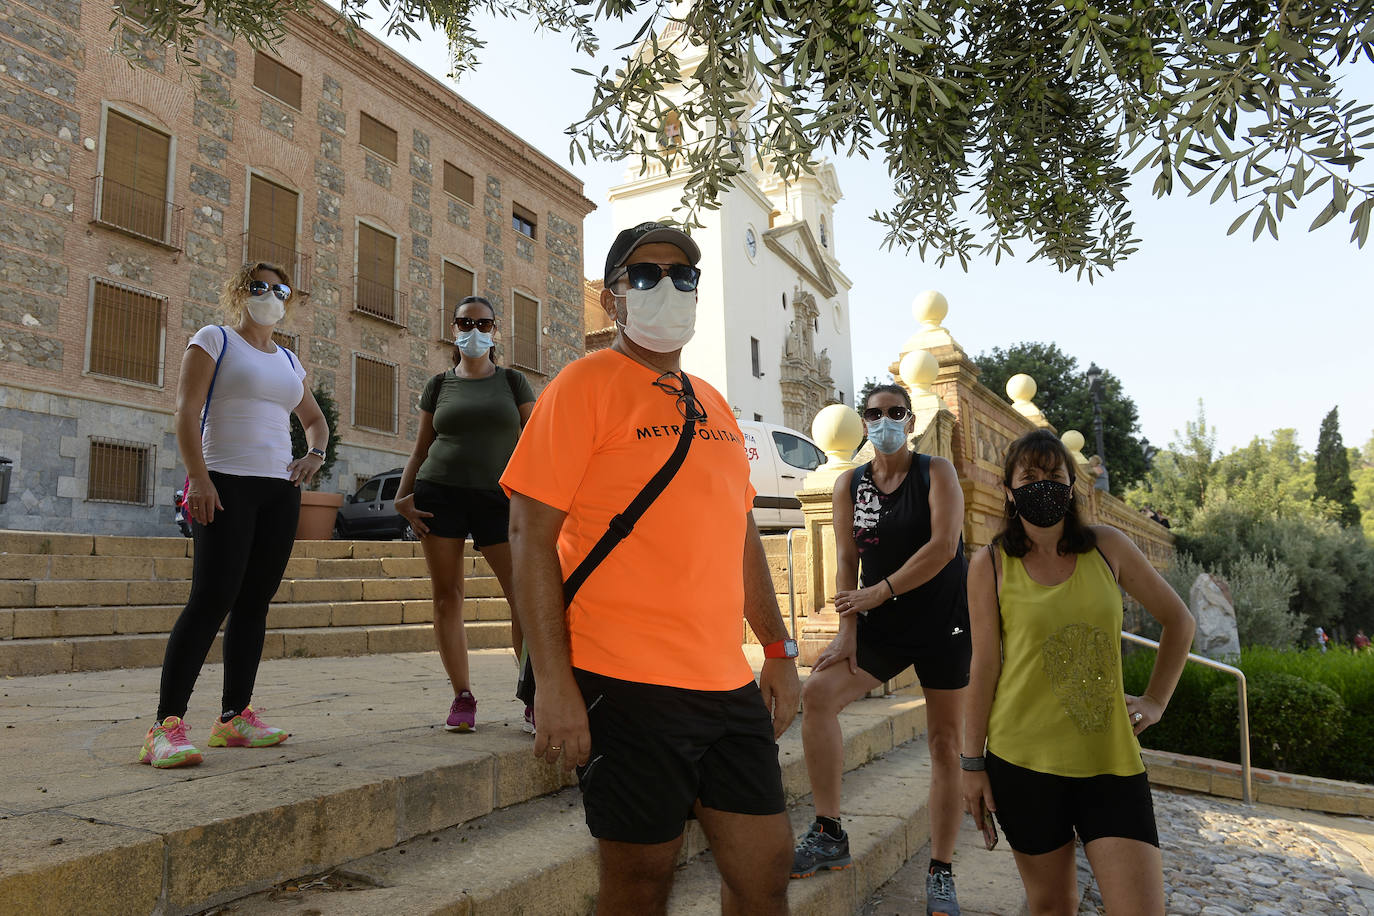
(791, 585)
(1244, 708)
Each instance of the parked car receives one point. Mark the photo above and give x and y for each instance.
(371, 512)
(779, 459)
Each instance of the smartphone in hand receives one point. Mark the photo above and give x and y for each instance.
(989, 831)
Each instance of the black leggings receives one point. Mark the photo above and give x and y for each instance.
(239, 561)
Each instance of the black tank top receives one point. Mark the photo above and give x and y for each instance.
(888, 529)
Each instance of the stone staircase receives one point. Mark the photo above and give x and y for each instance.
(89, 603)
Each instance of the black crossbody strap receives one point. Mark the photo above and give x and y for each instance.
(624, 523)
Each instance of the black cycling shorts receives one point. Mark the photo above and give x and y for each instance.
(462, 511)
(941, 668)
(1039, 812)
(656, 750)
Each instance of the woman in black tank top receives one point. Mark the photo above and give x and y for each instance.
(900, 593)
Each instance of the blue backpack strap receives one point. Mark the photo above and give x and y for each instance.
(923, 463)
(224, 346)
(289, 358)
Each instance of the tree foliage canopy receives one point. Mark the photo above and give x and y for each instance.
(1332, 471)
(1063, 396)
(999, 123)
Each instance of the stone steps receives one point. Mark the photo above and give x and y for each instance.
(181, 841)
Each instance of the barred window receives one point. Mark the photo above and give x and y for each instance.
(377, 137)
(459, 283)
(126, 332)
(289, 341)
(359, 480)
(374, 394)
(277, 80)
(458, 183)
(523, 221)
(526, 349)
(272, 223)
(121, 472)
(133, 180)
(375, 290)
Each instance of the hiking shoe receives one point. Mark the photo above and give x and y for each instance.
(940, 898)
(818, 849)
(168, 746)
(245, 730)
(528, 725)
(462, 715)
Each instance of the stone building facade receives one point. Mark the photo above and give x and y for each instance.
(131, 191)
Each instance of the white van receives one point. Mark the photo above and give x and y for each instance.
(779, 459)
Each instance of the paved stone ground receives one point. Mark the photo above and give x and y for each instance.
(1220, 859)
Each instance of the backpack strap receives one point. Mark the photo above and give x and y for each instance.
(289, 358)
(923, 466)
(223, 348)
(854, 481)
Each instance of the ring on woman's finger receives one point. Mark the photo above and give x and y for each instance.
(555, 747)
(1136, 717)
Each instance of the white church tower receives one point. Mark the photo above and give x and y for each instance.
(773, 311)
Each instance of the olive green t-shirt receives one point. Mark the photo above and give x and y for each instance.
(476, 425)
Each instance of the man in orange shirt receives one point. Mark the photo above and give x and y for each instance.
(643, 683)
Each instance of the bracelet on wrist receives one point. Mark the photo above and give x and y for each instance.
(973, 764)
(317, 452)
(892, 590)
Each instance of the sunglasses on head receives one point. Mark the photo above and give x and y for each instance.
(280, 290)
(480, 324)
(646, 276)
(897, 412)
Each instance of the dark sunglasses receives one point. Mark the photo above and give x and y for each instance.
(897, 412)
(280, 290)
(687, 404)
(646, 276)
(480, 324)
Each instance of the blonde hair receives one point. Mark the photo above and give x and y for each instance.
(236, 288)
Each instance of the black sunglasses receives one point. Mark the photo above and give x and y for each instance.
(646, 275)
(687, 404)
(896, 412)
(280, 290)
(480, 324)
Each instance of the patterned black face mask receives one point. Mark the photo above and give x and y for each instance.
(1043, 503)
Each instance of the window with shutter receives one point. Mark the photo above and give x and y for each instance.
(458, 183)
(374, 394)
(120, 471)
(126, 332)
(272, 223)
(526, 348)
(377, 137)
(277, 80)
(376, 281)
(459, 283)
(133, 182)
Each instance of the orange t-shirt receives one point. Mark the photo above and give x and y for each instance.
(667, 605)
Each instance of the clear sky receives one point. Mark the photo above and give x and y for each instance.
(1269, 334)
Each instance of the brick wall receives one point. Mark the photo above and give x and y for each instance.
(58, 78)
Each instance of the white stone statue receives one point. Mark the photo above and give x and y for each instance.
(1217, 636)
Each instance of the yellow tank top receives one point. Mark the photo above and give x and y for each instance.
(1060, 707)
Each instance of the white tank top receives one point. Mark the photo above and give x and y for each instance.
(248, 431)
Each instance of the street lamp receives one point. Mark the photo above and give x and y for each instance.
(1094, 376)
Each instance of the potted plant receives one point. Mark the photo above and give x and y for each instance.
(318, 510)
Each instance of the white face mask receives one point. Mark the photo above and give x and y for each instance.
(265, 309)
(661, 319)
(474, 344)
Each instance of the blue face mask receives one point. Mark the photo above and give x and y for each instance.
(474, 343)
(887, 435)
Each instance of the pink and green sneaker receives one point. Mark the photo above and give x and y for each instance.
(167, 745)
(245, 730)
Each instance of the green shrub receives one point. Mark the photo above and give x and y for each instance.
(1261, 590)
(1295, 724)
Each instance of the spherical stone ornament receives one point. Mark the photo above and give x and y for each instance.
(1021, 388)
(919, 369)
(837, 429)
(930, 308)
(1073, 440)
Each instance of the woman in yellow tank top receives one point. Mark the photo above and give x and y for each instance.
(1050, 735)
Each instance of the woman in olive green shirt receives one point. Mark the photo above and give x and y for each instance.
(470, 418)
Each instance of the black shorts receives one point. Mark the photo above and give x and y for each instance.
(462, 511)
(945, 668)
(1039, 812)
(656, 750)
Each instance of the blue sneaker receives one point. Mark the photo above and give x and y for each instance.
(818, 849)
(940, 897)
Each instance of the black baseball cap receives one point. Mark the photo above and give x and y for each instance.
(629, 239)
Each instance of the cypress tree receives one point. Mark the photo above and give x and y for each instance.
(1333, 470)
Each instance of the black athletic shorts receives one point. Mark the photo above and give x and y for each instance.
(656, 750)
(1039, 812)
(462, 511)
(943, 669)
